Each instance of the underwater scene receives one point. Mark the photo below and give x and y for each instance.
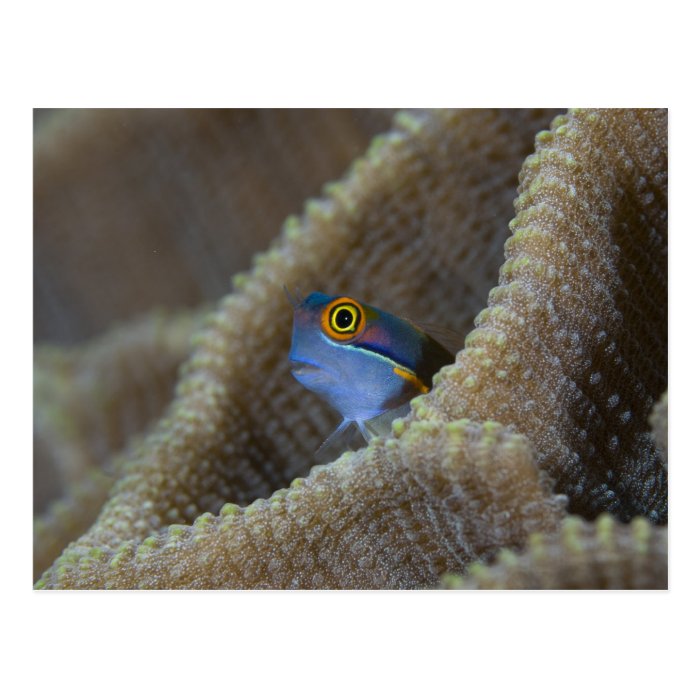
(350, 349)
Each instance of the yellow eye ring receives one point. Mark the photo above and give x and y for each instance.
(343, 319)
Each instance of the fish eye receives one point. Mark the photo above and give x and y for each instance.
(343, 319)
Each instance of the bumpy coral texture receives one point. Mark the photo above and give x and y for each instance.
(604, 554)
(418, 228)
(90, 402)
(572, 349)
(395, 515)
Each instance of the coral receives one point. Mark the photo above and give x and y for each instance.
(605, 554)
(91, 401)
(99, 394)
(572, 348)
(395, 515)
(68, 516)
(417, 227)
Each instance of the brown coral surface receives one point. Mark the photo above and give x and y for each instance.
(568, 356)
(91, 401)
(572, 349)
(605, 554)
(393, 516)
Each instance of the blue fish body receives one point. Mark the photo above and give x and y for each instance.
(363, 361)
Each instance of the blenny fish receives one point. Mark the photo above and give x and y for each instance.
(363, 361)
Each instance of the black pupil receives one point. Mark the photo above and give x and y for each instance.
(344, 319)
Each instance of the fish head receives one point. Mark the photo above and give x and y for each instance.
(321, 355)
(317, 358)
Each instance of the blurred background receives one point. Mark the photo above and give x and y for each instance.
(136, 209)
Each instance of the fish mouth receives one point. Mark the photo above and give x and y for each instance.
(301, 368)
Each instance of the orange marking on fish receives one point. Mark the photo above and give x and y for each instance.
(410, 377)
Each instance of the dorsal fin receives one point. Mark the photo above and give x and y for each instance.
(449, 338)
